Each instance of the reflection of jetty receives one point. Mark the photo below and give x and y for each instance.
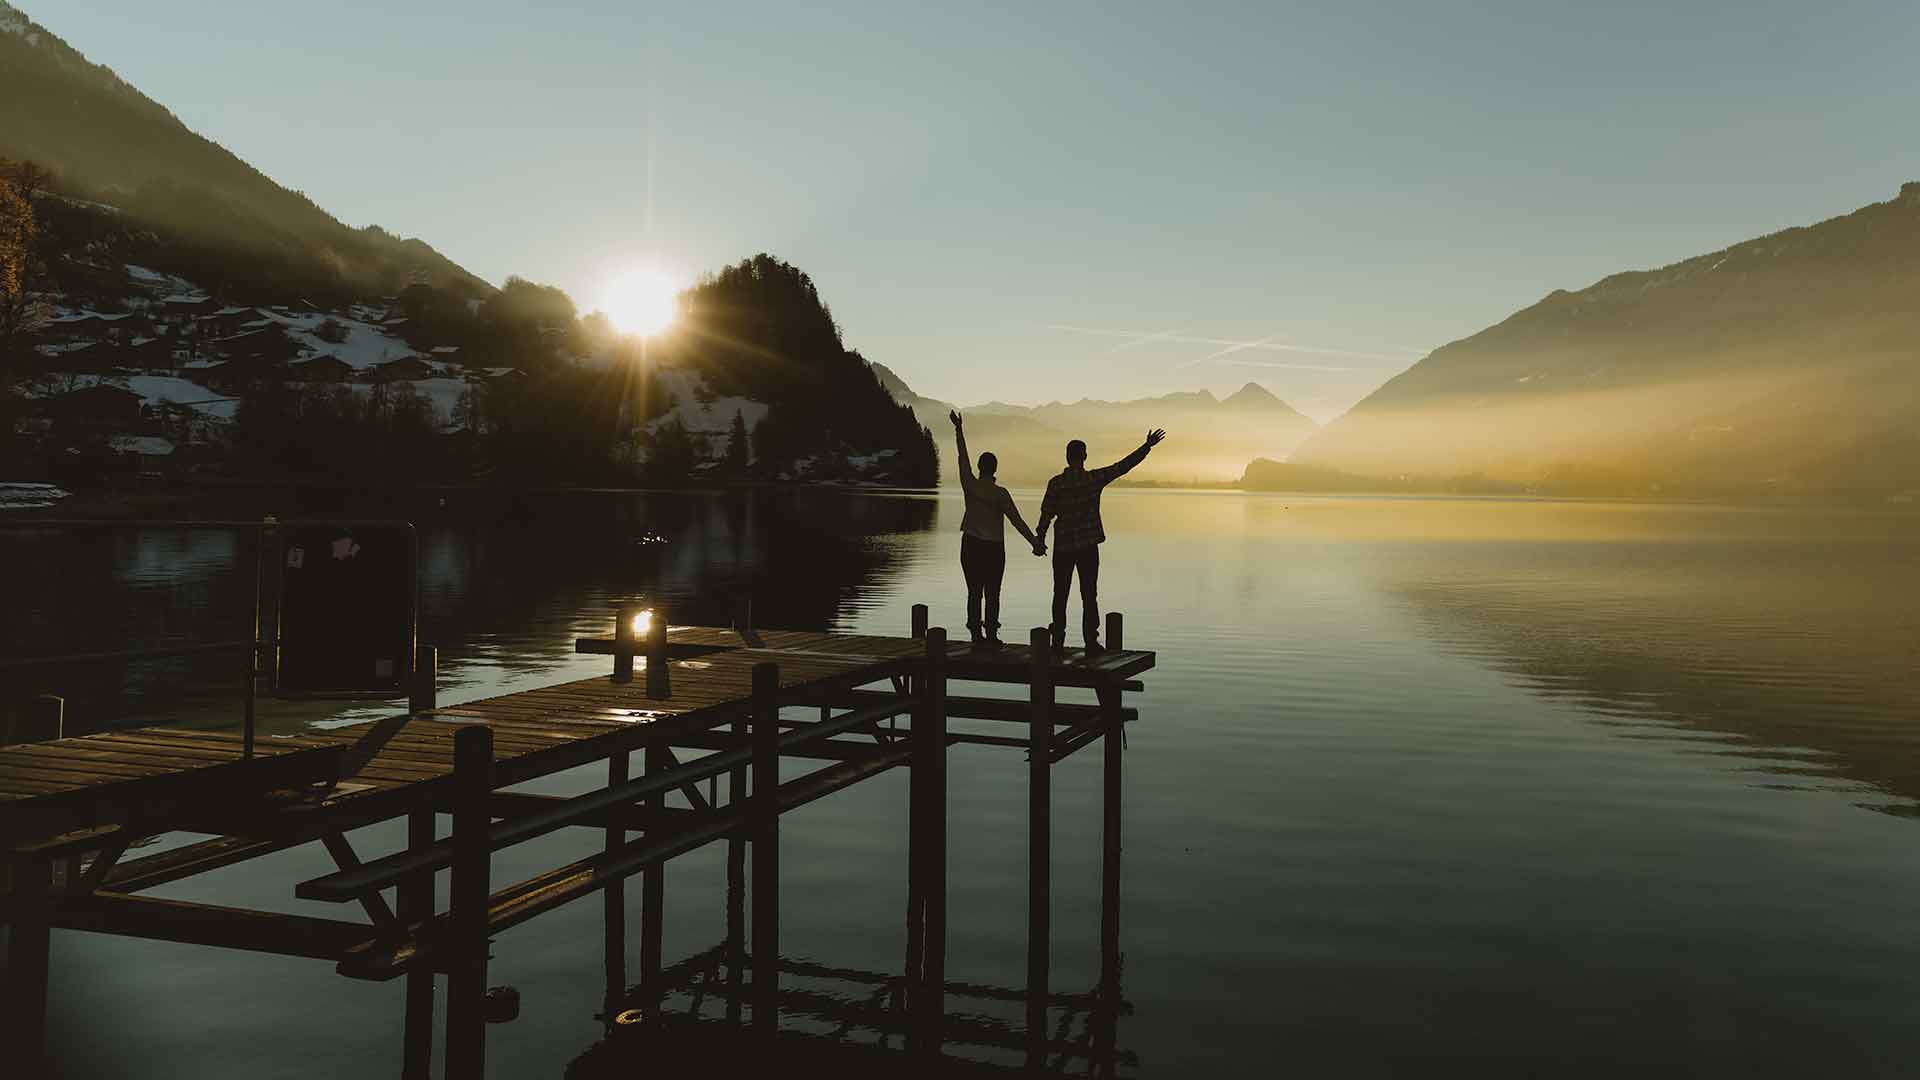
(748, 703)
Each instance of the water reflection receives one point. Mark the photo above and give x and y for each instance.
(505, 587)
(1788, 644)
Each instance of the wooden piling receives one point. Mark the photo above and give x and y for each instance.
(623, 617)
(415, 903)
(422, 693)
(1113, 743)
(659, 675)
(1039, 841)
(919, 621)
(28, 942)
(653, 884)
(44, 719)
(766, 848)
(928, 841)
(614, 901)
(467, 906)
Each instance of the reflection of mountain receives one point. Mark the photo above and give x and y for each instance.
(1791, 648)
(1214, 437)
(1782, 363)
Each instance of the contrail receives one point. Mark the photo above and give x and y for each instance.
(1144, 339)
(1227, 346)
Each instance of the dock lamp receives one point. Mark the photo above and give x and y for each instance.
(638, 627)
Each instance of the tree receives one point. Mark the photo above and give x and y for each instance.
(737, 445)
(20, 265)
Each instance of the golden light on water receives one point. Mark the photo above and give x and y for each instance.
(642, 299)
(642, 623)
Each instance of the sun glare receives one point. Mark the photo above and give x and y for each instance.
(642, 299)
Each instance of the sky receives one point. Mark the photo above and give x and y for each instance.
(988, 195)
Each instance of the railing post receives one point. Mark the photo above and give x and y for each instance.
(423, 695)
(919, 621)
(659, 675)
(1039, 841)
(1115, 627)
(467, 906)
(623, 616)
(765, 815)
(928, 843)
(415, 903)
(28, 942)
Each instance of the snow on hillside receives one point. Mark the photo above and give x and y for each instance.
(366, 344)
(714, 418)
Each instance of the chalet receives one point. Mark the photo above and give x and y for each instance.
(226, 321)
(94, 327)
(149, 352)
(405, 368)
(99, 409)
(323, 368)
(184, 306)
(269, 342)
(88, 357)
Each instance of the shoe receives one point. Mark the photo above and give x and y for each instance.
(1094, 648)
(979, 643)
(1059, 642)
(991, 643)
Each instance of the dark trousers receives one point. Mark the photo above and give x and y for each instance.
(985, 563)
(1065, 562)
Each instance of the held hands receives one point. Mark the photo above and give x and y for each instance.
(1153, 437)
(1039, 547)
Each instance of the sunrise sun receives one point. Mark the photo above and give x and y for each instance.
(642, 299)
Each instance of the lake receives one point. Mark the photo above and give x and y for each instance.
(1501, 786)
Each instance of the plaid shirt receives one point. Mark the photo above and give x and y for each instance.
(1074, 498)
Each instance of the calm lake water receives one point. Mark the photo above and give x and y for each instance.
(1509, 787)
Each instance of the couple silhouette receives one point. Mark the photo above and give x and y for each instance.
(1072, 500)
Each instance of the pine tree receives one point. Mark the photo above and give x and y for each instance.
(737, 444)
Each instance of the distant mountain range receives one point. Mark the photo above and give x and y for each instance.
(172, 200)
(1788, 364)
(1211, 441)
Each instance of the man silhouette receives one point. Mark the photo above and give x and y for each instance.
(1074, 498)
(983, 545)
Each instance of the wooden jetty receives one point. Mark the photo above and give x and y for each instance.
(718, 707)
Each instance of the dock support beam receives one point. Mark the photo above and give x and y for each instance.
(766, 848)
(653, 883)
(737, 883)
(1039, 842)
(28, 946)
(614, 901)
(467, 907)
(415, 900)
(927, 845)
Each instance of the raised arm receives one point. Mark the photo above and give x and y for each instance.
(960, 440)
(1047, 511)
(1108, 474)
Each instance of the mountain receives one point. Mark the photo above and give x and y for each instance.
(140, 186)
(1210, 438)
(1789, 363)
